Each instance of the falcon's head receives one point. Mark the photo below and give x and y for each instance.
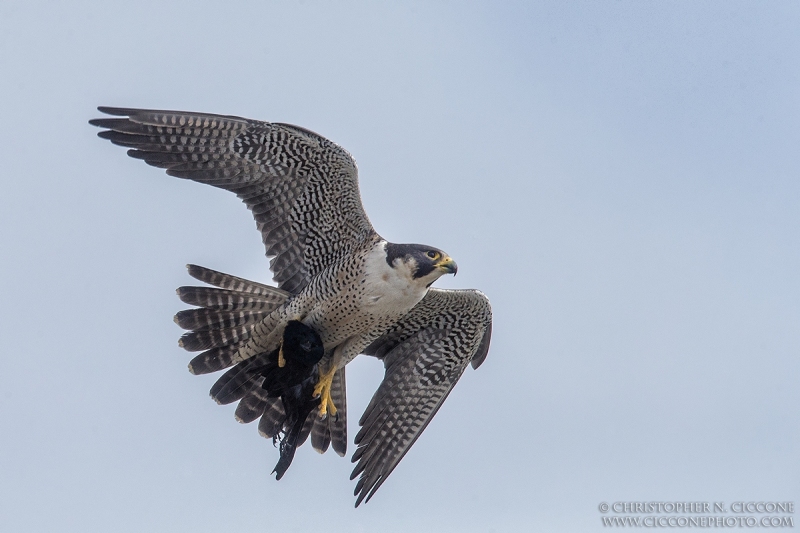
(423, 263)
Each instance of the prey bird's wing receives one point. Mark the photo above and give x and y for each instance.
(425, 354)
(301, 188)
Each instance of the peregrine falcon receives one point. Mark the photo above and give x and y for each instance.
(334, 273)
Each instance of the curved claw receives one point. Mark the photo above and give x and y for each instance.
(281, 358)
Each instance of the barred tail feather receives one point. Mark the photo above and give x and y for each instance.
(213, 360)
(200, 319)
(204, 339)
(332, 430)
(233, 283)
(226, 300)
(239, 380)
(320, 434)
(338, 424)
(273, 418)
(252, 405)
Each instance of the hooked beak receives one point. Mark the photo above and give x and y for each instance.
(447, 265)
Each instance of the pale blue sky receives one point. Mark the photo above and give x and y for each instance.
(620, 178)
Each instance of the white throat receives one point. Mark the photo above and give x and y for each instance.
(392, 289)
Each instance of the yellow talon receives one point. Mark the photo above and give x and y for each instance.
(281, 358)
(323, 390)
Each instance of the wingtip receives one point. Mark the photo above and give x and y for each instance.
(360, 499)
(115, 111)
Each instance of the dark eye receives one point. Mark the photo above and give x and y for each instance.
(433, 255)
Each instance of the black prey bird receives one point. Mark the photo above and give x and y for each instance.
(289, 373)
(292, 374)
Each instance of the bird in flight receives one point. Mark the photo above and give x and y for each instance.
(335, 274)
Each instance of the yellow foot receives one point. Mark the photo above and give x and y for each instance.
(281, 358)
(323, 390)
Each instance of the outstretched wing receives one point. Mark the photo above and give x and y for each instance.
(425, 354)
(301, 188)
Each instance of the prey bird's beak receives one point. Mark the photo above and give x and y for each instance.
(448, 265)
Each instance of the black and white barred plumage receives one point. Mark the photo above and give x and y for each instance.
(360, 293)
